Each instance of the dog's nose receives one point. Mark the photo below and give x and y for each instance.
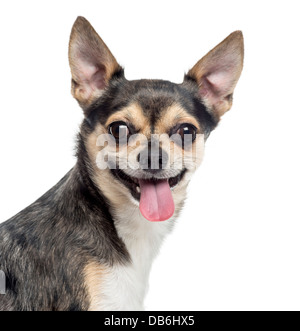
(153, 160)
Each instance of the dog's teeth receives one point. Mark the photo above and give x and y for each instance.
(138, 189)
(172, 188)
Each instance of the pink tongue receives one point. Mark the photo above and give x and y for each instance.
(156, 203)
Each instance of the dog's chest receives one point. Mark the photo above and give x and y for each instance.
(123, 287)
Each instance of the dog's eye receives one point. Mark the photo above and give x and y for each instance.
(187, 131)
(119, 130)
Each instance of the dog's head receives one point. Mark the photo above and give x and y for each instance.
(145, 138)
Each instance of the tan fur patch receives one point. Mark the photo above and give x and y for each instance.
(132, 114)
(93, 275)
(173, 116)
(109, 185)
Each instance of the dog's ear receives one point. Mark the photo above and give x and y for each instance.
(217, 73)
(91, 62)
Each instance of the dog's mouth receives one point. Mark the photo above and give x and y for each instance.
(154, 195)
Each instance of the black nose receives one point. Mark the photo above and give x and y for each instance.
(153, 160)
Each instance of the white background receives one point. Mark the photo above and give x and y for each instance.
(236, 245)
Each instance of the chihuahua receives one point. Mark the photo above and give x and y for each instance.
(89, 242)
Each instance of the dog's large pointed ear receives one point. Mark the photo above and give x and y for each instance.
(91, 62)
(217, 73)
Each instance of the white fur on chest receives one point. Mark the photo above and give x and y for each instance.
(124, 286)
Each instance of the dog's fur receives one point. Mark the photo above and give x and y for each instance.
(84, 245)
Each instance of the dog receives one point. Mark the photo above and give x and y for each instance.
(89, 242)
